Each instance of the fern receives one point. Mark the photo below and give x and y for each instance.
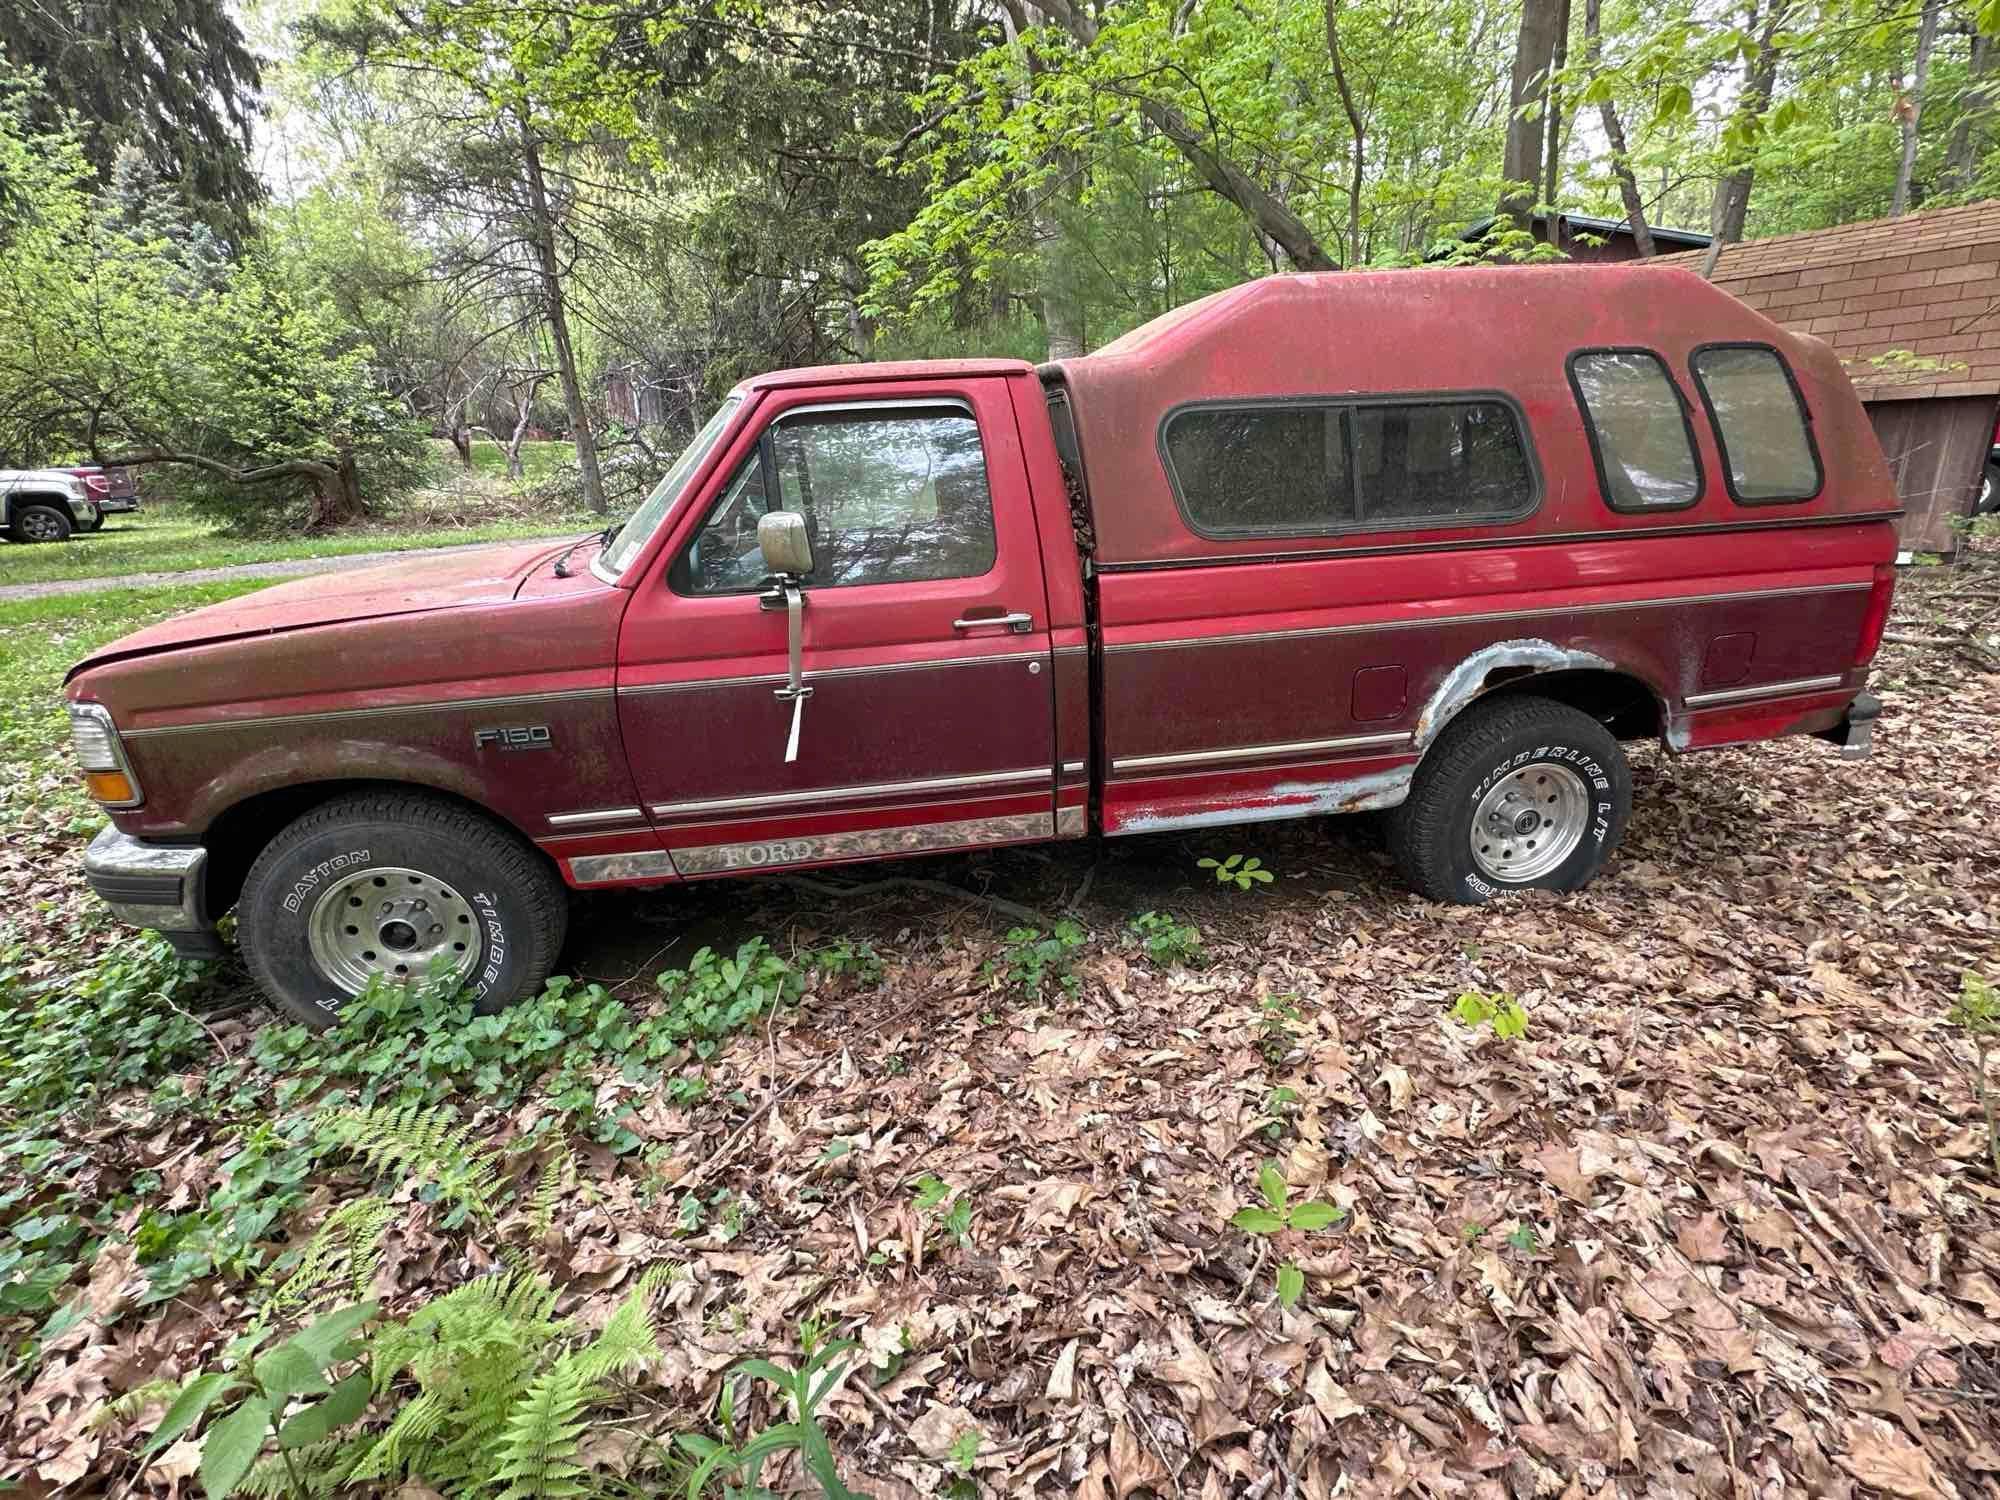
(350, 1236)
(538, 1452)
(536, 1455)
(429, 1143)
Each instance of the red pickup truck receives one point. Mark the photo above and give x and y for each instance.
(1428, 541)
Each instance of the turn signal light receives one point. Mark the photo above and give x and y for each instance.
(110, 786)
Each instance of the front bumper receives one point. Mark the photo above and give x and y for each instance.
(1855, 733)
(153, 885)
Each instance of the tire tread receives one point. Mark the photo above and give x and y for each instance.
(1419, 829)
(510, 857)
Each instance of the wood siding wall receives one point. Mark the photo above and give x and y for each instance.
(1937, 451)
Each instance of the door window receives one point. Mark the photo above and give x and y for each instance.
(890, 495)
(1767, 448)
(1638, 430)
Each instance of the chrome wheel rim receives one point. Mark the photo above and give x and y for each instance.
(1529, 822)
(395, 924)
(42, 526)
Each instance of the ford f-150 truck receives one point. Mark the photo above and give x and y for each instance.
(1432, 541)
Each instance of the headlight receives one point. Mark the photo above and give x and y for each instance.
(106, 773)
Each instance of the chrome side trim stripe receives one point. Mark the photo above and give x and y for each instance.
(1258, 752)
(1765, 690)
(863, 843)
(839, 793)
(1074, 767)
(605, 869)
(602, 815)
(824, 674)
(333, 715)
(1554, 612)
(1494, 543)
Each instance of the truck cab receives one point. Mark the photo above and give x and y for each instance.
(1436, 543)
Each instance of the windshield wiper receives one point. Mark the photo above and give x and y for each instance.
(604, 537)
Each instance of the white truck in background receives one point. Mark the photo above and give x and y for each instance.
(46, 505)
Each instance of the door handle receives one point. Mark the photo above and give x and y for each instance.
(1020, 624)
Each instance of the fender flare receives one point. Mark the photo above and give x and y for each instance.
(1521, 659)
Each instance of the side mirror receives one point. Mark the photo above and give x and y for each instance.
(787, 548)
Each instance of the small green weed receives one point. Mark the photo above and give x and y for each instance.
(1278, 1014)
(1239, 871)
(1278, 1214)
(930, 1196)
(804, 1389)
(1279, 1104)
(1167, 942)
(1031, 960)
(1977, 1013)
(1502, 1012)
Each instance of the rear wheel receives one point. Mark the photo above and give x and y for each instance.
(95, 523)
(1989, 490)
(1519, 794)
(403, 888)
(40, 523)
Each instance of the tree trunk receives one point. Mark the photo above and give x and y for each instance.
(1969, 135)
(1354, 256)
(1552, 175)
(1521, 165)
(1730, 208)
(461, 441)
(552, 296)
(336, 494)
(1267, 215)
(1614, 134)
(1911, 108)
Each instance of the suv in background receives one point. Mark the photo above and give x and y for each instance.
(113, 489)
(46, 505)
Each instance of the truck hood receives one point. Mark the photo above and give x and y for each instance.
(449, 580)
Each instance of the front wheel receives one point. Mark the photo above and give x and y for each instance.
(40, 523)
(1518, 794)
(399, 887)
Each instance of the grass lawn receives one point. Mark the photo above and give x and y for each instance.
(538, 460)
(160, 540)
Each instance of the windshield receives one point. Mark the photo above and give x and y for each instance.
(655, 509)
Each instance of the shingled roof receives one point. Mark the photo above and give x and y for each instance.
(1928, 284)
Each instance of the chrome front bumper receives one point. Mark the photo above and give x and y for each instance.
(152, 885)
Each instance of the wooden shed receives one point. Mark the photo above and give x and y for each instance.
(1912, 306)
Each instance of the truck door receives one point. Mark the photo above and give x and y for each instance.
(927, 720)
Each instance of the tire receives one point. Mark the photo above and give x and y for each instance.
(96, 525)
(408, 866)
(40, 523)
(1516, 760)
(1989, 490)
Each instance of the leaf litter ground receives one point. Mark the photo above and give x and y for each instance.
(1719, 1224)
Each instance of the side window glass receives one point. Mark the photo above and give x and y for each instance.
(1261, 471)
(1638, 430)
(889, 496)
(724, 557)
(1767, 450)
(1440, 464)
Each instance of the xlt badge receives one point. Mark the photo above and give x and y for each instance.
(512, 737)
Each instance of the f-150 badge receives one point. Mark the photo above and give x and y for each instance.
(512, 737)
